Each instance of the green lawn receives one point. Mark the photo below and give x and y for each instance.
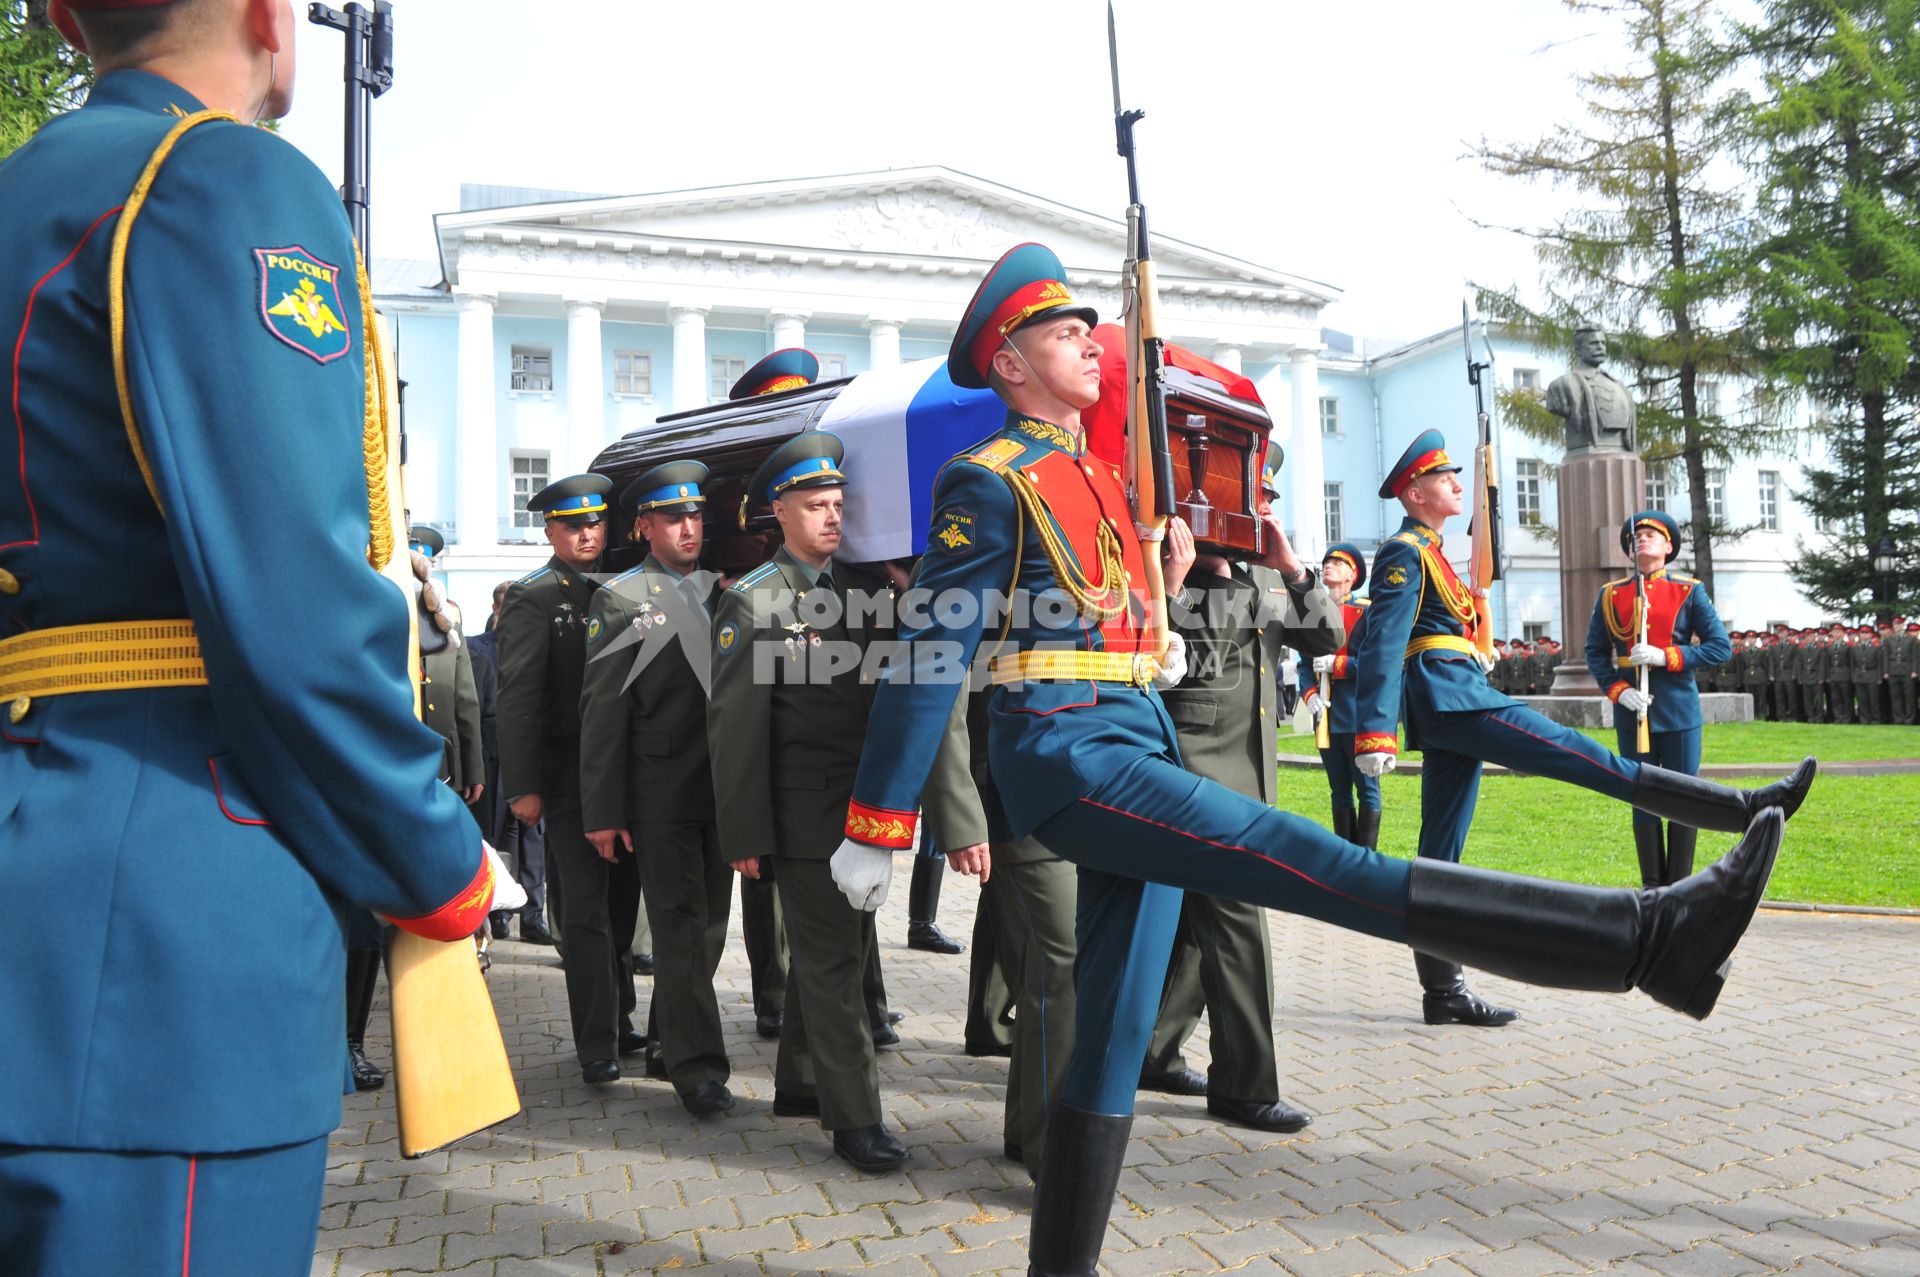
(1856, 841)
(1757, 742)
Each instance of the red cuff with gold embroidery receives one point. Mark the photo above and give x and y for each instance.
(1676, 660)
(1313, 693)
(1342, 666)
(460, 916)
(881, 827)
(1376, 743)
(1613, 693)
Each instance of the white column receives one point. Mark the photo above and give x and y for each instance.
(1227, 354)
(690, 371)
(477, 481)
(586, 387)
(1306, 493)
(883, 341)
(790, 328)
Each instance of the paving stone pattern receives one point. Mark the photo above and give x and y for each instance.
(1598, 1135)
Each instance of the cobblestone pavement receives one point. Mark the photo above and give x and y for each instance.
(1598, 1135)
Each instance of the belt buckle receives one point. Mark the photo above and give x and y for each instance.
(1143, 669)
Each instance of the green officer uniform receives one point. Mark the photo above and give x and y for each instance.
(1810, 670)
(1754, 676)
(543, 636)
(450, 705)
(643, 768)
(1782, 659)
(1840, 660)
(1903, 661)
(1869, 679)
(785, 725)
(1236, 627)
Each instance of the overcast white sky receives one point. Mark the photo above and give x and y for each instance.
(1323, 139)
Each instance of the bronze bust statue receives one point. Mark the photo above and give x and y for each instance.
(1597, 408)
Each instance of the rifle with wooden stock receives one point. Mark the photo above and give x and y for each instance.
(1149, 461)
(451, 1075)
(1485, 565)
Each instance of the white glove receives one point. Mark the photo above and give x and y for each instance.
(508, 894)
(1634, 700)
(1174, 668)
(1647, 654)
(1377, 763)
(862, 872)
(1485, 660)
(1323, 664)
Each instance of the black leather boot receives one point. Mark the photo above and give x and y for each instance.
(363, 976)
(1366, 827)
(1706, 804)
(1680, 841)
(923, 901)
(1448, 1000)
(1650, 846)
(1073, 1193)
(1342, 821)
(1675, 943)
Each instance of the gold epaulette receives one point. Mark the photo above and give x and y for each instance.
(999, 454)
(1410, 538)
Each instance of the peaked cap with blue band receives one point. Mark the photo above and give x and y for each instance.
(1027, 285)
(809, 460)
(787, 369)
(673, 488)
(1651, 519)
(425, 539)
(580, 498)
(1427, 454)
(1270, 467)
(1347, 552)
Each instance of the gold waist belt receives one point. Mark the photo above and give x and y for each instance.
(115, 656)
(1440, 643)
(1136, 668)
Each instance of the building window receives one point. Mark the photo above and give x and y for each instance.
(1526, 379)
(1770, 500)
(726, 371)
(1336, 511)
(1533, 631)
(529, 476)
(832, 367)
(1708, 395)
(1657, 493)
(632, 372)
(1717, 496)
(1526, 491)
(1329, 415)
(532, 368)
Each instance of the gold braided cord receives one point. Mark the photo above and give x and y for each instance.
(373, 437)
(1623, 632)
(1103, 602)
(117, 288)
(1453, 592)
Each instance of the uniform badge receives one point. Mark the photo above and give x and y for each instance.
(955, 531)
(593, 629)
(300, 302)
(724, 640)
(1395, 576)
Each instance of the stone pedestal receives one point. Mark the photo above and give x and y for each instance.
(1599, 491)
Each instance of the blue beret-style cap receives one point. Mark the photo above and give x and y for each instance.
(673, 487)
(808, 460)
(579, 498)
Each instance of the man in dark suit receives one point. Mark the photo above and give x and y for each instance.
(645, 787)
(543, 656)
(785, 726)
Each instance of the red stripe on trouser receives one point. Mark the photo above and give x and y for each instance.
(186, 1240)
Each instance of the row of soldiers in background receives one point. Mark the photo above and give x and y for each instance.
(1832, 675)
(1525, 666)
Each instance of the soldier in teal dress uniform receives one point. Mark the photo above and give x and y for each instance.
(1419, 665)
(1356, 797)
(208, 748)
(1684, 635)
(1084, 756)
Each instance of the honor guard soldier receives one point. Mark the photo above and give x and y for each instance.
(543, 657)
(785, 725)
(1783, 656)
(645, 787)
(1753, 674)
(1237, 620)
(1086, 759)
(1683, 636)
(1840, 674)
(1903, 661)
(1418, 661)
(1810, 672)
(189, 812)
(1869, 676)
(1356, 798)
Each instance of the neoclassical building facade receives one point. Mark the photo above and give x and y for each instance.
(553, 323)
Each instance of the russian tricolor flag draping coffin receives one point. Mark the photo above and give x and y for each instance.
(900, 425)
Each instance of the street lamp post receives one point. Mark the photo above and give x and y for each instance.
(1886, 557)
